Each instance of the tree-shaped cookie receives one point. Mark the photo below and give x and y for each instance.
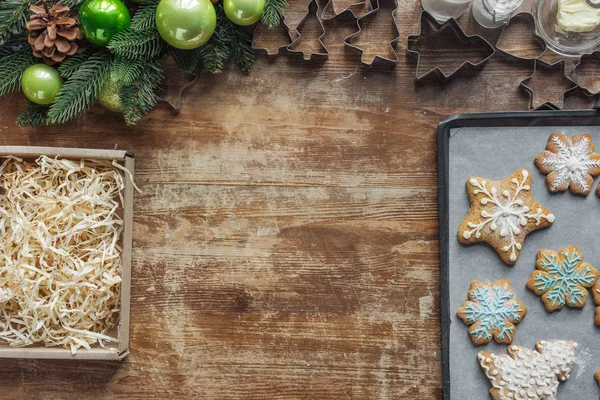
(492, 312)
(502, 214)
(569, 163)
(529, 374)
(562, 278)
(596, 294)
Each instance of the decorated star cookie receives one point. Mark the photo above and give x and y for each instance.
(529, 374)
(492, 311)
(569, 163)
(502, 214)
(596, 294)
(562, 278)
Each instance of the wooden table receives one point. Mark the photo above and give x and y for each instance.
(286, 241)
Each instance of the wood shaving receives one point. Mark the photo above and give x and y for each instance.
(60, 257)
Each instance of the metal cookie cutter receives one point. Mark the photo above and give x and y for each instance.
(312, 9)
(329, 13)
(270, 52)
(539, 65)
(378, 58)
(450, 29)
(530, 19)
(589, 90)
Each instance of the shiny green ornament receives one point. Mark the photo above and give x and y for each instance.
(40, 83)
(244, 12)
(186, 24)
(101, 19)
(110, 95)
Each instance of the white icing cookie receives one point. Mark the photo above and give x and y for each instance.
(527, 374)
(569, 163)
(502, 214)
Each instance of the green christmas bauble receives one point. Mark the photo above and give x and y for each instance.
(110, 95)
(244, 12)
(186, 24)
(40, 83)
(101, 19)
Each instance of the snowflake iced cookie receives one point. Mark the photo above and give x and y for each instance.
(492, 312)
(502, 214)
(569, 163)
(562, 278)
(529, 374)
(596, 295)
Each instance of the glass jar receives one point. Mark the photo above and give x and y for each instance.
(443, 10)
(495, 13)
(562, 42)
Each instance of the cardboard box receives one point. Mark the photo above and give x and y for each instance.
(113, 351)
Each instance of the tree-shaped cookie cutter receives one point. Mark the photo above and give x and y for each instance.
(378, 58)
(312, 8)
(267, 51)
(529, 18)
(539, 64)
(329, 13)
(438, 29)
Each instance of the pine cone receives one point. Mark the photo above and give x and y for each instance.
(53, 32)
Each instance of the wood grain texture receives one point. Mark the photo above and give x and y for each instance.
(286, 243)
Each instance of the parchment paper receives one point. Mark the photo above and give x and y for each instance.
(495, 153)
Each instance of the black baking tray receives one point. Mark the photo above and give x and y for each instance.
(484, 120)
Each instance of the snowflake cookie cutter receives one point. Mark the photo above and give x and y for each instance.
(430, 27)
(539, 65)
(313, 8)
(377, 59)
(529, 19)
(329, 12)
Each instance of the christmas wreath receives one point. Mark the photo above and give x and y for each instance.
(67, 54)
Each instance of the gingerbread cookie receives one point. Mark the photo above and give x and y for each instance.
(529, 374)
(596, 295)
(562, 278)
(502, 214)
(569, 163)
(492, 312)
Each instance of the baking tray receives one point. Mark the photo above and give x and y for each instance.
(494, 146)
(112, 351)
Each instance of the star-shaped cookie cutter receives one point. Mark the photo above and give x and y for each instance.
(438, 28)
(378, 58)
(312, 8)
(539, 64)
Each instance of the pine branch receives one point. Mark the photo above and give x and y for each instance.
(187, 60)
(135, 44)
(70, 66)
(126, 71)
(144, 17)
(13, 17)
(12, 66)
(34, 115)
(240, 46)
(80, 91)
(140, 97)
(72, 4)
(273, 13)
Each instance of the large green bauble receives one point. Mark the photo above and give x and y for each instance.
(186, 24)
(244, 12)
(40, 83)
(101, 19)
